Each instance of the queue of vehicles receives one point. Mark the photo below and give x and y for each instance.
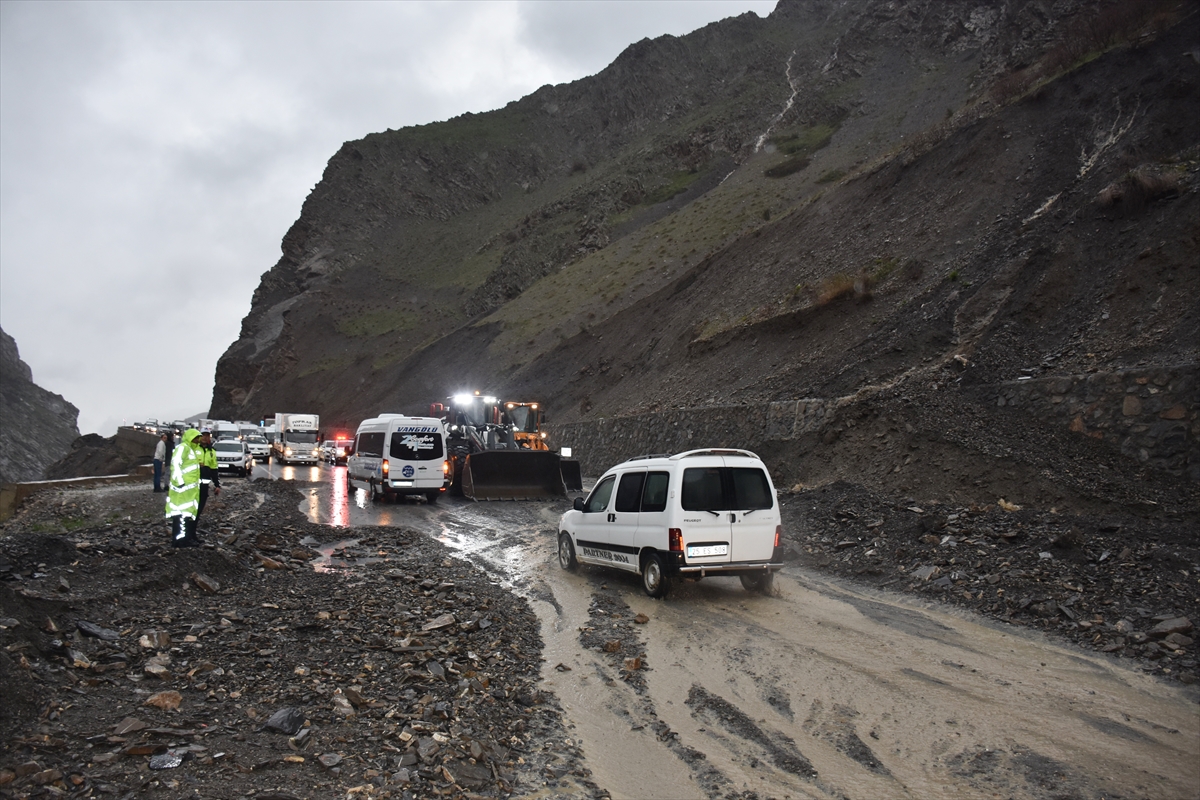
(688, 516)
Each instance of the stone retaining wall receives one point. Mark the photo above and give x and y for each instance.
(1149, 414)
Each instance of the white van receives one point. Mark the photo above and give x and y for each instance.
(398, 455)
(699, 513)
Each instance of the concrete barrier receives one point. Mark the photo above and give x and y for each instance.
(13, 494)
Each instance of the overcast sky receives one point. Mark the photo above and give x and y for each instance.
(153, 154)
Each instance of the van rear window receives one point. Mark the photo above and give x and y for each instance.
(702, 489)
(726, 489)
(751, 490)
(416, 446)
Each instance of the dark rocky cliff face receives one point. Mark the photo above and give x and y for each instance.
(37, 427)
(413, 234)
(916, 202)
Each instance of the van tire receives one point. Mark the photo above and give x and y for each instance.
(758, 582)
(431, 497)
(654, 576)
(371, 489)
(566, 553)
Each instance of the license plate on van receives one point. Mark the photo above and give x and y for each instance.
(699, 551)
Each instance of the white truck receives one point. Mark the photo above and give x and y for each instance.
(296, 438)
(226, 430)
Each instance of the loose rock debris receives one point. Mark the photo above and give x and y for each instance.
(1126, 585)
(236, 669)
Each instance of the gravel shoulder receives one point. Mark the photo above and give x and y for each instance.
(237, 669)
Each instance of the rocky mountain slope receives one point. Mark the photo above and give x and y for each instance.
(964, 231)
(37, 427)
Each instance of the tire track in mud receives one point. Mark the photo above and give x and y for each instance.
(614, 634)
(839, 730)
(780, 748)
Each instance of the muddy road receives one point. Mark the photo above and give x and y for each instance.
(823, 690)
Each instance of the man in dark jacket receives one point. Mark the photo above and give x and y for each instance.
(209, 474)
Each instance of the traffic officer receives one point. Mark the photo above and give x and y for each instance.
(210, 475)
(183, 490)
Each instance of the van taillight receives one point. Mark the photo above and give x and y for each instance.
(778, 534)
(445, 467)
(385, 467)
(675, 537)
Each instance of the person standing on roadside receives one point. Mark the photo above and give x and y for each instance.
(209, 473)
(183, 490)
(160, 458)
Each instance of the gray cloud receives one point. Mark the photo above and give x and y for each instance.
(152, 155)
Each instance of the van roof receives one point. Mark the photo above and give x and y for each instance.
(385, 419)
(720, 451)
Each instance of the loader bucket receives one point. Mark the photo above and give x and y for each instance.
(513, 475)
(572, 478)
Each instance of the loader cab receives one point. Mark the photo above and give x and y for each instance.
(464, 414)
(526, 421)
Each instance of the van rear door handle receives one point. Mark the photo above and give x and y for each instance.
(732, 517)
(612, 517)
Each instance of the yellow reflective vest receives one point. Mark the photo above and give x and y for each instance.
(183, 489)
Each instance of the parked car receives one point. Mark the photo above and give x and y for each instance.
(259, 447)
(690, 515)
(233, 456)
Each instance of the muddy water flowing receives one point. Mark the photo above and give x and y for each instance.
(824, 690)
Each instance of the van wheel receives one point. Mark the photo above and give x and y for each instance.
(566, 553)
(371, 489)
(759, 582)
(431, 497)
(654, 576)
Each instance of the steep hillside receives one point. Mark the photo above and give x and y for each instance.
(893, 209)
(37, 427)
(413, 234)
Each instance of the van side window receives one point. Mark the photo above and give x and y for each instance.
(654, 498)
(416, 446)
(629, 492)
(702, 490)
(751, 489)
(598, 499)
(370, 445)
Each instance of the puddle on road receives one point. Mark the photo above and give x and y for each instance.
(331, 561)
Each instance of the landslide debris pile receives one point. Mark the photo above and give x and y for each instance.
(259, 665)
(1124, 585)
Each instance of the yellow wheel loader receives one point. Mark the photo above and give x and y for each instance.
(526, 420)
(488, 461)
